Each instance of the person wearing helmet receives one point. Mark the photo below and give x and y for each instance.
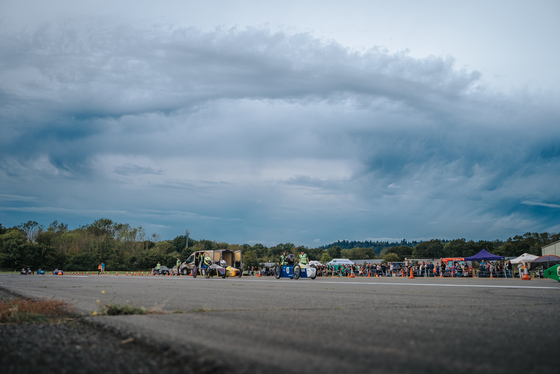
(207, 261)
(223, 263)
(206, 264)
(303, 258)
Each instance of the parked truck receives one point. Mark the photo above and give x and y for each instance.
(232, 259)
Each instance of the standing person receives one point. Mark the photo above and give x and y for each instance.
(521, 269)
(158, 267)
(303, 258)
(509, 268)
(283, 259)
(99, 269)
(178, 264)
(200, 259)
(103, 267)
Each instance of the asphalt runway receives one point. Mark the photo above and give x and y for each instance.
(330, 325)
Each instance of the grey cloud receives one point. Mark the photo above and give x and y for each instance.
(7, 197)
(131, 169)
(456, 151)
(99, 72)
(537, 203)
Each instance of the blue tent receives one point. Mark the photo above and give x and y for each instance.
(484, 255)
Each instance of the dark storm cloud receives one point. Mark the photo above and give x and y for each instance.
(274, 123)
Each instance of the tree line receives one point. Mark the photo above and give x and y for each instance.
(123, 247)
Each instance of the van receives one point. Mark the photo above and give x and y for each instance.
(336, 262)
(233, 259)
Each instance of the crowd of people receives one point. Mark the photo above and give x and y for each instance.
(486, 269)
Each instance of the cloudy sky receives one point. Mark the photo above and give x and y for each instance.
(282, 121)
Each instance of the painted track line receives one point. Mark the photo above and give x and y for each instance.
(413, 284)
(309, 281)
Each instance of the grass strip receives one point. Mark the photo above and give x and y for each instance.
(21, 310)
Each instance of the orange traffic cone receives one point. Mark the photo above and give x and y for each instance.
(259, 274)
(411, 275)
(352, 275)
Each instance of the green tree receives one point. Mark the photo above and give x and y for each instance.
(250, 259)
(325, 257)
(358, 253)
(314, 254)
(391, 257)
(11, 249)
(31, 230)
(335, 252)
(431, 249)
(401, 251)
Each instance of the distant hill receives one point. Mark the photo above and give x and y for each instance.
(377, 246)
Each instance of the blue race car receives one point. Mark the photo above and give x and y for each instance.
(294, 271)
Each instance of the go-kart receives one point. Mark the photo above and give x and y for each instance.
(216, 270)
(58, 272)
(294, 271)
(163, 270)
(221, 271)
(40, 272)
(233, 272)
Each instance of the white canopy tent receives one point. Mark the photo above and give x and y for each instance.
(525, 257)
(340, 261)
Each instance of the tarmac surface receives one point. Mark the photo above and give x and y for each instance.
(328, 325)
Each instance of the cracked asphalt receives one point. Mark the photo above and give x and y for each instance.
(332, 325)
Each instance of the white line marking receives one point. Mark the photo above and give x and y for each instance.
(246, 279)
(413, 284)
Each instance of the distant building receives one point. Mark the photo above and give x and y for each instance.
(551, 249)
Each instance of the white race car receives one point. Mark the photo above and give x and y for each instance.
(295, 272)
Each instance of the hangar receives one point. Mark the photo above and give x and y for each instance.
(551, 249)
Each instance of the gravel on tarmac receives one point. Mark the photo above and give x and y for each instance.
(75, 346)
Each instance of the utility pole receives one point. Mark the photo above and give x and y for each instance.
(187, 239)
